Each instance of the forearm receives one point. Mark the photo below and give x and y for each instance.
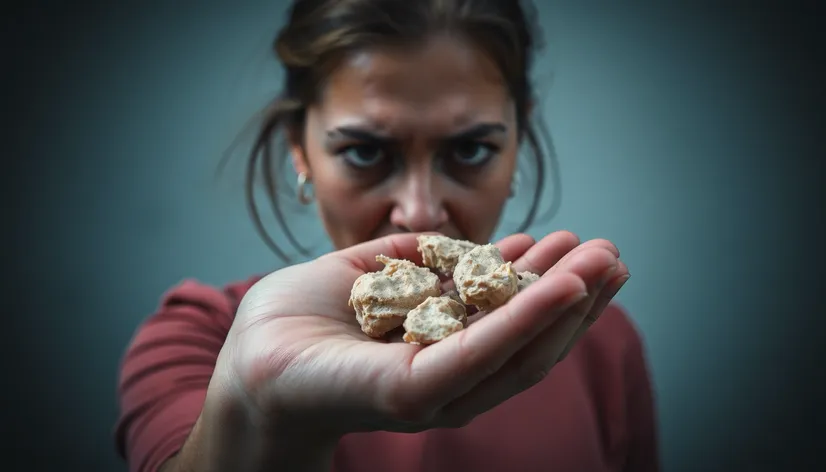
(223, 439)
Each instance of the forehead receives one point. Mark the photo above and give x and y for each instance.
(441, 85)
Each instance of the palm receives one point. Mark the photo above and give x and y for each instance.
(298, 342)
(319, 318)
(321, 331)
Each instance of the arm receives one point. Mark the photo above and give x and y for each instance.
(222, 439)
(643, 447)
(166, 400)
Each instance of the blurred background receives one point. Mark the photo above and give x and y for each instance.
(690, 135)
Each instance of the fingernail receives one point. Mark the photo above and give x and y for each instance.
(617, 286)
(606, 277)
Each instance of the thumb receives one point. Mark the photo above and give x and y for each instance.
(396, 246)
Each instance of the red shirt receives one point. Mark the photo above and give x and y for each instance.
(594, 412)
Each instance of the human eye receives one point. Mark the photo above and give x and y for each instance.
(362, 156)
(473, 153)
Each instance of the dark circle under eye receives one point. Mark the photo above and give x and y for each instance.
(472, 154)
(363, 155)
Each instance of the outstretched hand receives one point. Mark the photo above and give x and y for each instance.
(296, 351)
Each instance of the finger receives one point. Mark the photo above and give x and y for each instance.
(605, 297)
(547, 252)
(514, 246)
(396, 246)
(611, 288)
(596, 266)
(593, 243)
(511, 247)
(451, 367)
(404, 246)
(532, 363)
(522, 371)
(456, 364)
(536, 258)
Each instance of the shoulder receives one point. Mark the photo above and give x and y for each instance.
(191, 308)
(213, 298)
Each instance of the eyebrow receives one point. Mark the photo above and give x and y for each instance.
(477, 131)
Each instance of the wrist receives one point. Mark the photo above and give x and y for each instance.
(228, 436)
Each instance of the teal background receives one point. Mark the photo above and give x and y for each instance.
(685, 135)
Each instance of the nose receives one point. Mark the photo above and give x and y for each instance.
(418, 205)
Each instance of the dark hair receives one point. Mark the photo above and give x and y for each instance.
(320, 33)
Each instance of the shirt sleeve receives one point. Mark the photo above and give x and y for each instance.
(165, 372)
(643, 446)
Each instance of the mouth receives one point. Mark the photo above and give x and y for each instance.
(447, 231)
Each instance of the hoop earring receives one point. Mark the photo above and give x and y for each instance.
(301, 189)
(514, 184)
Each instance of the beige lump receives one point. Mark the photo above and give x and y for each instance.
(434, 319)
(383, 299)
(453, 295)
(405, 295)
(525, 279)
(442, 253)
(484, 279)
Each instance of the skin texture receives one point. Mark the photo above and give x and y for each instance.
(296, 359)
(416, 98)
(289, 367)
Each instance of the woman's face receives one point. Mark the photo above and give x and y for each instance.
(415, 139)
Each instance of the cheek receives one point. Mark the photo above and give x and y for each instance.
(477, 215)
(476, 210)
(348, 216)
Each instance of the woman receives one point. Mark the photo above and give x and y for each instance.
(406, 117)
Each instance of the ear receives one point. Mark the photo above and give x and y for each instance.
(298, 159)
(297, 154)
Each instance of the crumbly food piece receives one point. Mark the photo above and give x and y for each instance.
(442, 253)
(433, 320)
(383, 299)
(484, 279)
(525, 279)
(453, 295)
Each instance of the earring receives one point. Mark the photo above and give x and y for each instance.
(514, 184)
(301, 189)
